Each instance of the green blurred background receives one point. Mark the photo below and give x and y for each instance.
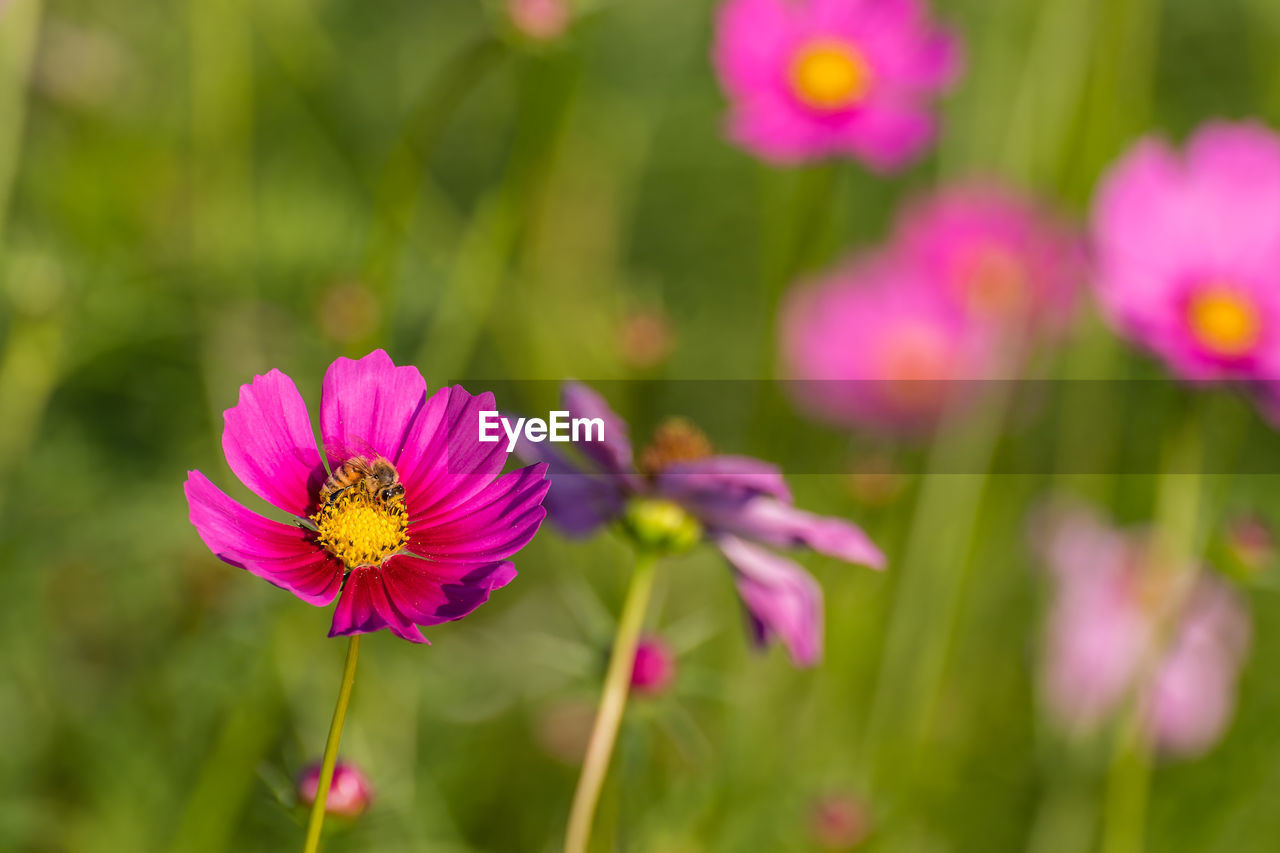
(195, 192)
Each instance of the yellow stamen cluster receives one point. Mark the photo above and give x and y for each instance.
(675, 440)
(830, 75)
(1224, 321)
(996, 282)
(361, 530)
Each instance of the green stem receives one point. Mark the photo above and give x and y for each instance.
(316, 822)
(1173, 551)
(617, 684)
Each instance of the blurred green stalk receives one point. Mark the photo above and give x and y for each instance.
(617, 684)
(316, 823)
(1173, 552)
(19, 28)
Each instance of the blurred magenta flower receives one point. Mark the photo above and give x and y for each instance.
(814, 78)
(654, 668)
(872, 344)
(349, 793)
(1188, 250)
(681, 492)
(540, 20)
(429, 556)
(996, 255)
(1119, 626)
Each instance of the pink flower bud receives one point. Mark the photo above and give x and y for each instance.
(654, 668)
(349, 793)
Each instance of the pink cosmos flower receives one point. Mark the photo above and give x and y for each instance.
(1105, 640)
(678, 492)
(996, 255)
(1188, 250)
(429, 555)
(654, 667)
(349, 793)
(813, 78)
(874, 345)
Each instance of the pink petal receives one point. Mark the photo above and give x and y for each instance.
(444, 462)
(775, 523)
(364, 607)
(270, 446)
(613, 454)
(280, 553)
(367, 406)
(782, 599)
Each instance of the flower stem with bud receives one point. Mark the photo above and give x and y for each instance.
(316, 822)
(613, 700)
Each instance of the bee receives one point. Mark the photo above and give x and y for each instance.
(376, 477)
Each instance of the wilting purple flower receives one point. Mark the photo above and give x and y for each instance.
(996, 255)
(349, 793)
(874, 344)
(814, 78)
(654, 667)
(679, 491)
(428, 556)
(1121, 627)
(1188, 248)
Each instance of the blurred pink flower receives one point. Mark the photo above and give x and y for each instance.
(349, 793)
(654, 668)
(996, 256)
(813, 78)
(1106, 641)
(540, 20)
(873, 344)
(838, 821)
(1188, 251)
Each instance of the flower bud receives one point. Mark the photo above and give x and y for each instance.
(661, 525)
(838, 821)
(654, 667)
(349, 792)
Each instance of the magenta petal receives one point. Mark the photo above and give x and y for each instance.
(737, 476)
(367, 406)
(444, 462)
(270, 446)
(782, 599)
(364, 607)
(775, 523)
(279, 553)
(432, 593)
(494, 532)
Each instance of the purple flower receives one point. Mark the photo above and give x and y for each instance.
(680, 492)
(429, 555)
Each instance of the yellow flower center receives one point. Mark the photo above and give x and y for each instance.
(361, 530)
(1224, 322)
(830, 75)
(914, 367)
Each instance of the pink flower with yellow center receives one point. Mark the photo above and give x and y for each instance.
(874, 345)
(817, 78)
(996, 255)
(1188, 251)
(414, 525)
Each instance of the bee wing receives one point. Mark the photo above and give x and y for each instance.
(351, 448)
